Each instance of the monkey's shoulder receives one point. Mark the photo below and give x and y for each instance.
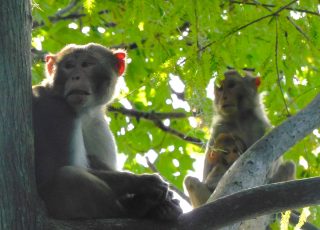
(39, 91)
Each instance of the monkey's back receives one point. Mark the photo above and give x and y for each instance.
(52, 120)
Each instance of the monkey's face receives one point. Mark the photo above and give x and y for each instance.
(224, 155)
(85, 77)
(226, 96)
(235, 95)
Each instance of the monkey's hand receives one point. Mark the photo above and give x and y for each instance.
(152, 186)
(152, 199)
(168, 210)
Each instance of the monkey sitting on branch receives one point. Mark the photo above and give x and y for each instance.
(239, 122)
(75, 151)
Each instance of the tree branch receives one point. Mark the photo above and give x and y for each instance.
(267, 199)
(66, 9)
(298, 28)
(157, 118)
(249, 24)
(271, 6)
(182, 136)
(153, 116)
(277, 68)
(57, 17)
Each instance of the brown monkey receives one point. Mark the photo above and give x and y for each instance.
(238, 113)
(75, 152)
(227, 148)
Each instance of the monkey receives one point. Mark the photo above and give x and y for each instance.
(75, 151)
(239, 114)
(227, 148)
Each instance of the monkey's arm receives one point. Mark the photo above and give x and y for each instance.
(97, 164)
(142, 195)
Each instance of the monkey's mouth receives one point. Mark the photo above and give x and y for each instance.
(77, 92)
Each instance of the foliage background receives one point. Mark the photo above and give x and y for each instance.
(191, 42)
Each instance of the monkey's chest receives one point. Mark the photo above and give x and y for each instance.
(78, 153)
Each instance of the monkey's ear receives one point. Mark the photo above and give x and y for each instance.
(121, 65)
(257, 81)
(50, 61)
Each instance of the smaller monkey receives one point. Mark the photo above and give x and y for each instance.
(219, 158)
(239, 115)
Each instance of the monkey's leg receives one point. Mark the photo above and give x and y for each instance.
(198, 191)
(142, 195)
(74, 193)
(285, 171)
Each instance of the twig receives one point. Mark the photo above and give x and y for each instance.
(66, 9)
(171, 186)
(197, 27)
(157, 118)
(271, 5)
(71, 16)
(146, 115)
(277, 68)
(248, 24)
(298, 28)
(193, 140)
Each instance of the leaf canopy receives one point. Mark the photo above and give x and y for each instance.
(175, 48)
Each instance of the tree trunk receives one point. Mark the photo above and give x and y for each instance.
(17, 184)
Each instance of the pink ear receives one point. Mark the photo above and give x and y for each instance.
(50, 61)
(121, 56)
(258, 81)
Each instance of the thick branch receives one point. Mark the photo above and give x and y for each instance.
(247, 204)
(254, 202)
(103, 224)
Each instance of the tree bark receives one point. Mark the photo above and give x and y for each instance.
(17, 184)
(267, 199)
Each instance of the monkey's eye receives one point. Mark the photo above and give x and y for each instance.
(69, 65)
(85, 64)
